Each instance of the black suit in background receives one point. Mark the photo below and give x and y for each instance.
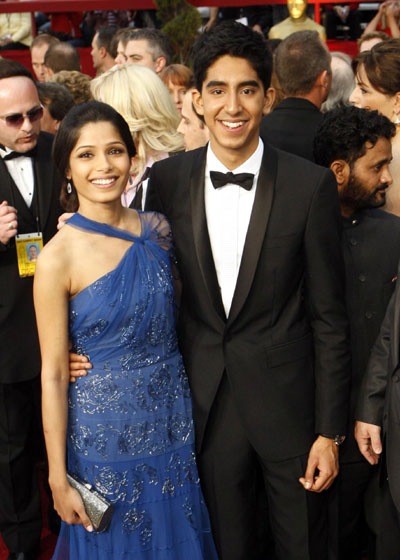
(270, 377)
(20, 519)
(291, 126)
(379, 404)
(371, 250)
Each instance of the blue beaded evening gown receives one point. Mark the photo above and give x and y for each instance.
(130, 427)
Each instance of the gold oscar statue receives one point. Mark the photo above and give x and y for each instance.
(297, 21)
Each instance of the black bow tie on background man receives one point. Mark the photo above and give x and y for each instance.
(12, 155)
(244, 180)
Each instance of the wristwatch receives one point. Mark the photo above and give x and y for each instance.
(338, 439)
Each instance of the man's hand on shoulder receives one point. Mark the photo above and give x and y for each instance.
(368, 437)
(8, 222)
(324, 456)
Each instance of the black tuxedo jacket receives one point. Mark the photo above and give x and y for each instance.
(292, 126)
(284, 344)
(379, 401)
(19, 346)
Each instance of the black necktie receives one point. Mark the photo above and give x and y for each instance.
(244, 180)
(12, 155)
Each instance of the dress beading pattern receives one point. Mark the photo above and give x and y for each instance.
(130, 427)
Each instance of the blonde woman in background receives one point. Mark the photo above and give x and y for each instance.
(139, 95)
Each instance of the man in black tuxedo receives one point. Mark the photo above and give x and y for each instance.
(303, 67)
(262, 323)
(29, 193)
(356, 145)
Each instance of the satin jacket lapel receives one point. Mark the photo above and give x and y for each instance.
(43, 182)
(200, 232)
(256, 231)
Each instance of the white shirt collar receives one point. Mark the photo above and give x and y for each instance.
(251, 165)
(5, 151)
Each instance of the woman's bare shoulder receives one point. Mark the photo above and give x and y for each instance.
(56, 254)
(133, 222)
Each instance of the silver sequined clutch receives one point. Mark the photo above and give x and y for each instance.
(98, 509)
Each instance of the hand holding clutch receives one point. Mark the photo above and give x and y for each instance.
(98, 509)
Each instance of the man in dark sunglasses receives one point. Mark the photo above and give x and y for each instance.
(29, 190)
(17, 119)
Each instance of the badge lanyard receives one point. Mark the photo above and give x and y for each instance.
(28, 245)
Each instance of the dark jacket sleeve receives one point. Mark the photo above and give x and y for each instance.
(326, 301)
(371, 400)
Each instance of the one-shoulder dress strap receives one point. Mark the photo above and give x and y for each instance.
(80, 222)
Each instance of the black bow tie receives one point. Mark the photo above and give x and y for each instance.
(244, 180)
(13, 155)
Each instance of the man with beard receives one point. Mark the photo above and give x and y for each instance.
(356, 145)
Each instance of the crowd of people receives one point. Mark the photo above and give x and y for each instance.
(199, 272)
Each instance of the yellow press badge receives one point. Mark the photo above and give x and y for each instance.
(28, 247)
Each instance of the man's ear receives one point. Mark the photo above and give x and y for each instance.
(323, 79)
(269, 100)
(197, 101)
(341, 170)
(103, 52)
(161, 63)
(326, 79)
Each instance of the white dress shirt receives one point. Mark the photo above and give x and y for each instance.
(228, 211)
(21, 170)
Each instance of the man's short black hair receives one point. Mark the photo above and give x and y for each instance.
(105, 37)
(345, 132)
(159, 44)
(56, 97)
(13, 69)
(233, 39)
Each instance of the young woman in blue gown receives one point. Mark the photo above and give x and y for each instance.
(104, 282)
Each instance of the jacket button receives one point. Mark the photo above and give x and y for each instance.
(353, 241)
(362, 277)
(369, 315)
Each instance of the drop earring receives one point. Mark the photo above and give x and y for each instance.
(397, 119)
(69, 188)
